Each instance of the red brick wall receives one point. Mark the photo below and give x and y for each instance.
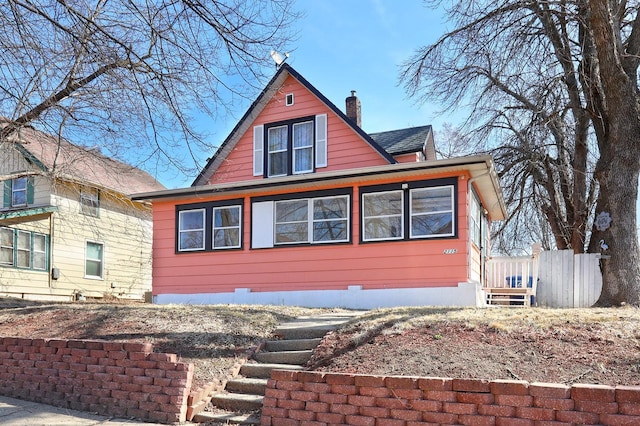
(313, 399)
(109, 378)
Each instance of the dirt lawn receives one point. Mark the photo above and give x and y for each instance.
(560, 346)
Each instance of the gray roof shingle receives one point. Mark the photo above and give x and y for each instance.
(402, 141)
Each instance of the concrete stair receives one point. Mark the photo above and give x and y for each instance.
(243, 395)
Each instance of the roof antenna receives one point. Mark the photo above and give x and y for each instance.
(278, 58)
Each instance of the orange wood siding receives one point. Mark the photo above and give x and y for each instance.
(346, 149)
(393, 264)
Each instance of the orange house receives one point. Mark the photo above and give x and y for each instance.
(300, 206)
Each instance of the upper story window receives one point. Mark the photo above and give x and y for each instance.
(290, 147)
(90, 202)
(209, 226)
(18, 192)
(417, 211)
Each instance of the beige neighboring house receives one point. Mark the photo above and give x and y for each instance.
(68, 228)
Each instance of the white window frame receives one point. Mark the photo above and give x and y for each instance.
(14, 191)
(11, 247)
(201, 229)
(450, 211)
(278, 151)
(94, 260)
(34, 252)
(26, 237)
(311, 221)
(365, 218)
(475, 220)
(296, 150)
(225, 228)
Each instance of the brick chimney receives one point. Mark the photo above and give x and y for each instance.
(354, 108)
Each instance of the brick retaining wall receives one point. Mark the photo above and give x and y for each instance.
(110, 378)
(313, 399)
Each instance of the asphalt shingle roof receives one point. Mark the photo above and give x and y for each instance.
(402, 141)
(69, 161)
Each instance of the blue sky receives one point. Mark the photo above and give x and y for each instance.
(357, 45)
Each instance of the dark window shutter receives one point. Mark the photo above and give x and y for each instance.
(6, 201)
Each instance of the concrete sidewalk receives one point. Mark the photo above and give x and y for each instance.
(16, 412)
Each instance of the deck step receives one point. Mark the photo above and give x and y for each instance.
(247, 385)
(286, 357)
(227, 418)
(291, 345)
(263, 371)
(237, 401)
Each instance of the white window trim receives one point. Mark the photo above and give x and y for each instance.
(34, 251)
(86, 259)
(203, 229)
(269, 152)
(402, 215)
(451, 211)
(18, 249)
(295, 149)
(12, 247)
(311, 221)
(25, 190)
(214, 228)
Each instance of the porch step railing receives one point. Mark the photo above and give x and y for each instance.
(511, 281)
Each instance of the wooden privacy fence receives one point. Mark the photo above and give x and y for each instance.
(568, 280)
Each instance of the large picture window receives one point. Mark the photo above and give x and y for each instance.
(417, 210)
(209, 226)
(312, 220)
(23, 249)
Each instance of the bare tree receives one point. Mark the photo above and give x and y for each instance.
(131, 76)
(532, 74)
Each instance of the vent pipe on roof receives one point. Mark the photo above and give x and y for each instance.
(354, 109)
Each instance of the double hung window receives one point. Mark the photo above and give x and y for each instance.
(94, 260)
(209, 226)
(408, 213)
(18, 192)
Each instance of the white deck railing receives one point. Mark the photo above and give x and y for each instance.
(511, 279)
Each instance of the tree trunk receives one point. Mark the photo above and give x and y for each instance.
(620, 264)
(618, 167)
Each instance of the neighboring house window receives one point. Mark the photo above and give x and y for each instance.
(419, 210)
(6, 246)
(90, 202)
(310, 220)
(23, 249)
(290, 147)
(209, 226)
(18, 192)
(94, 260)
